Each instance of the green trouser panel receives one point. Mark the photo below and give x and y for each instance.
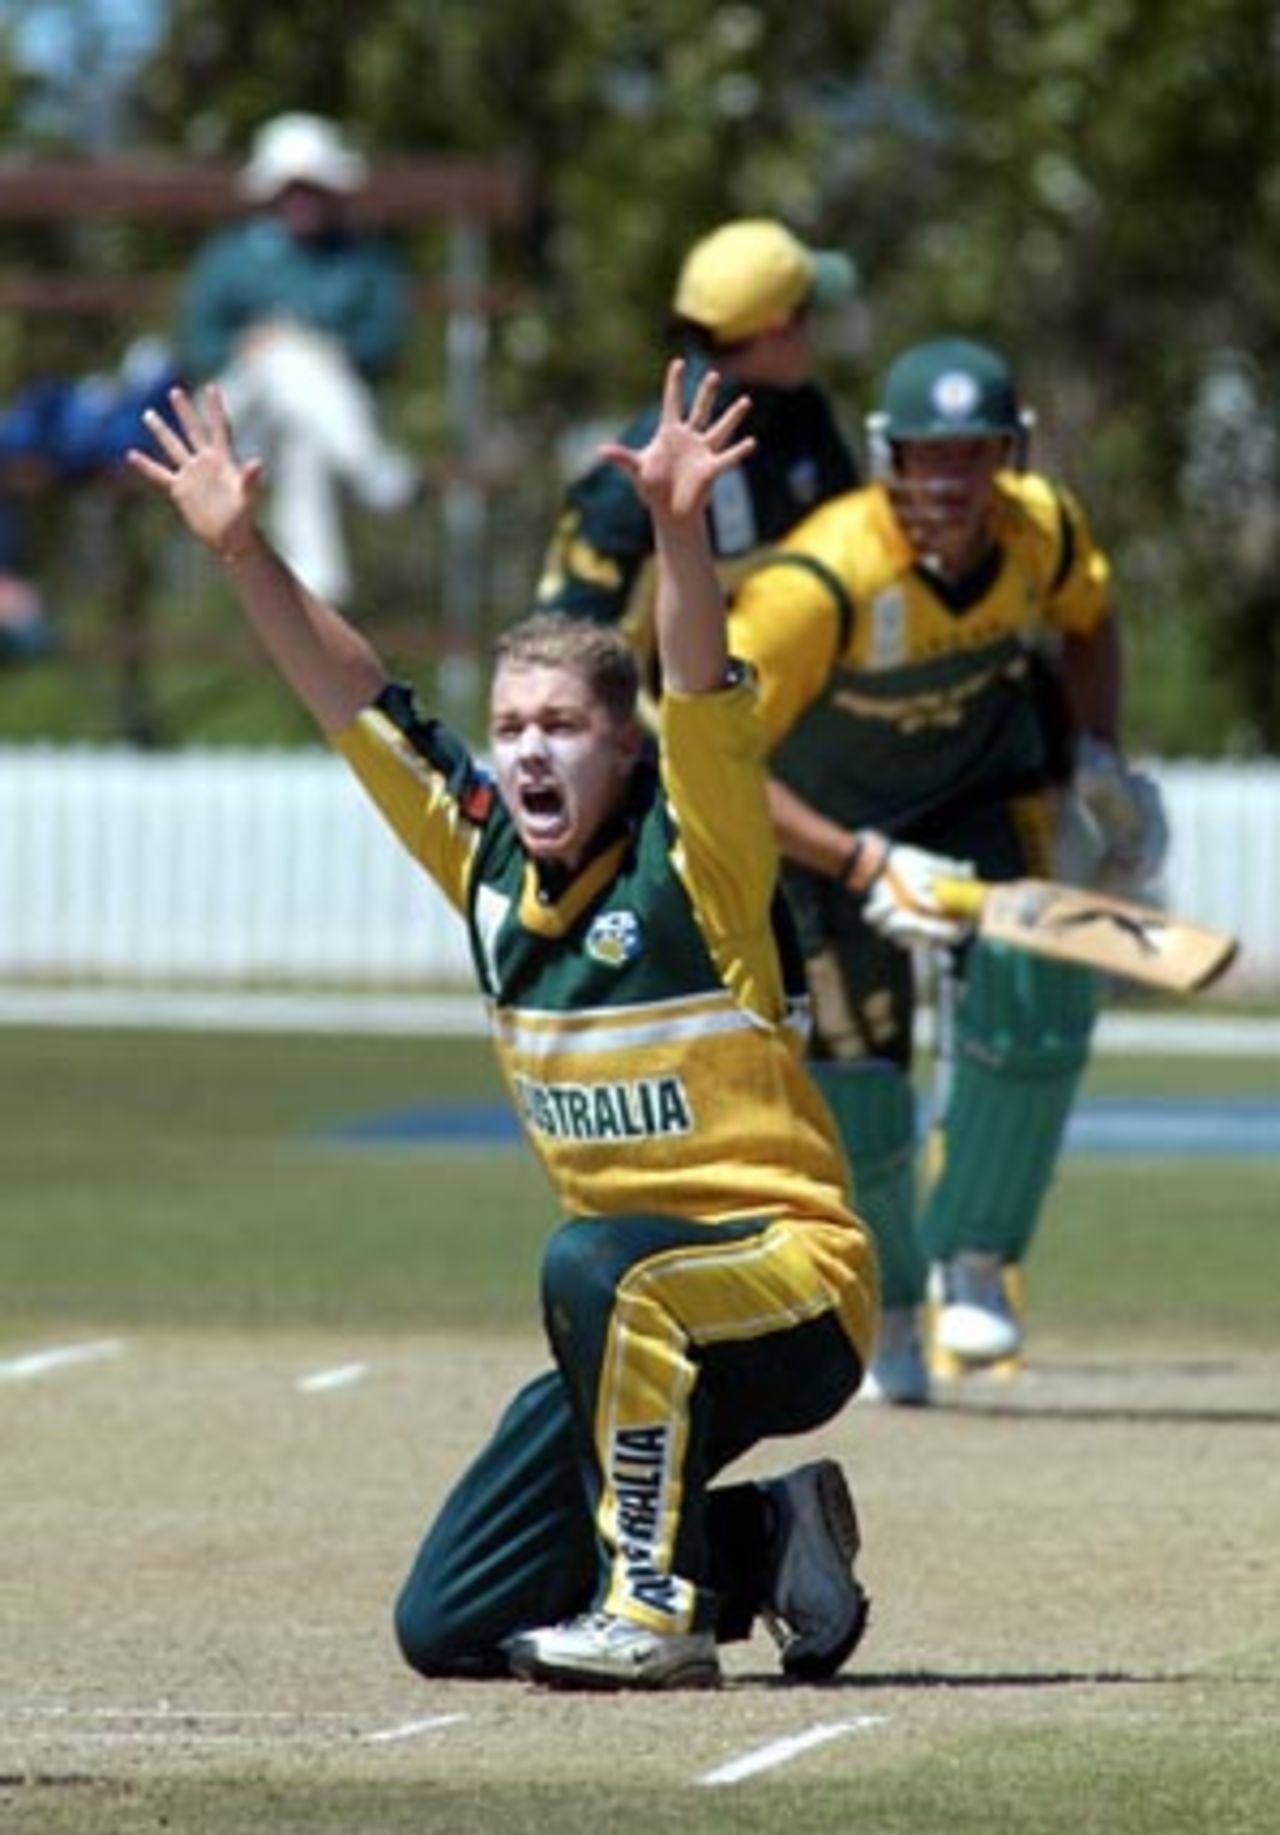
(874, 1107)
(1021, 1042)
(513, 1547)
(783, 1376)
(515, 1543)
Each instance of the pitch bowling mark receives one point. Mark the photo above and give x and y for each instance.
(342, 1376)
(58, 1357)
(410, 1729)
(52, 1723)
(781, 1751)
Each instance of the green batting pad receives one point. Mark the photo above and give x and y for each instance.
(875, 1110)
(1022, 1040)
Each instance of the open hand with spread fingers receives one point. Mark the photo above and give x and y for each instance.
(674, 476)
(214, 492)
(675, 472)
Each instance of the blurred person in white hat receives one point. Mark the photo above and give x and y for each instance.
(743, 303)
(299, 314)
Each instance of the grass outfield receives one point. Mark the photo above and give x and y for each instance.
(167, 1178)
(187, 1179)
(1073, 1575)
(1024, 1787)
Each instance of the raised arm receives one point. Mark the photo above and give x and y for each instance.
(674, 475)
(333, 670)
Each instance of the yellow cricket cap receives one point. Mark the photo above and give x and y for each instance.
(749, 276)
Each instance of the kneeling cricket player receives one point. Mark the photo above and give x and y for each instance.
(711, 1286)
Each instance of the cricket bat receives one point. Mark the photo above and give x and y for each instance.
(1098, 930)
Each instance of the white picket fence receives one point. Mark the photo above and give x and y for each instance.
(210, 867)
(228, 868)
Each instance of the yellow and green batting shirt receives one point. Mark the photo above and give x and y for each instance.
(887, 699)
(649, 1012)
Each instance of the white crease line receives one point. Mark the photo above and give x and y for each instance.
(340, 1378)
(779, 1751)
(411, 1728)
(156, 1727)
(165, 1711)
(158, 1736)
(39, 1363)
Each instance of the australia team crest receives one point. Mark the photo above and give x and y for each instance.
(615, 937)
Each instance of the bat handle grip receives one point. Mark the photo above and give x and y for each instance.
(961, 898)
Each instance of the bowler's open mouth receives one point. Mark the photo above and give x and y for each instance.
(541, 799)
(542, 808)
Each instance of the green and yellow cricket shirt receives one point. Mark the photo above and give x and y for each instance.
(886, 699)
(649, 1013)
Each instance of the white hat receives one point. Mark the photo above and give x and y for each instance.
(301, 149)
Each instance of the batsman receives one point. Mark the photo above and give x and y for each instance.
(940, 671)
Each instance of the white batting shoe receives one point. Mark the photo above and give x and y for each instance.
(976, 1322)
(817, 1610)
(601, 1651)
(898, 1372)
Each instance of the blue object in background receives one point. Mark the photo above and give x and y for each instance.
(1132, 1127)
(81, 425)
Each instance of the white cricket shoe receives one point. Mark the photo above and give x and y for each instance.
(898, 1372)
(817, 1610)
(976, 1322)
(601, 1651)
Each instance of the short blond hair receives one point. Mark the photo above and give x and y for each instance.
(596, 652)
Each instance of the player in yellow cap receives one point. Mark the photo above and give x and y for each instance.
(744, 302)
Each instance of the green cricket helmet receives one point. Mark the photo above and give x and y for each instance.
(950, 389)
(942, 404)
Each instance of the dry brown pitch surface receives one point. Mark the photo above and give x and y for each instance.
(200, 1552)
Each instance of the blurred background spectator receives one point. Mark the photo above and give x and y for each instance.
(297, 313)
(60, 431)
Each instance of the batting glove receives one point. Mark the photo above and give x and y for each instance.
(1129, 813)
(902, 901)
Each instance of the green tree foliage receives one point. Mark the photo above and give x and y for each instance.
(1092, 184)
